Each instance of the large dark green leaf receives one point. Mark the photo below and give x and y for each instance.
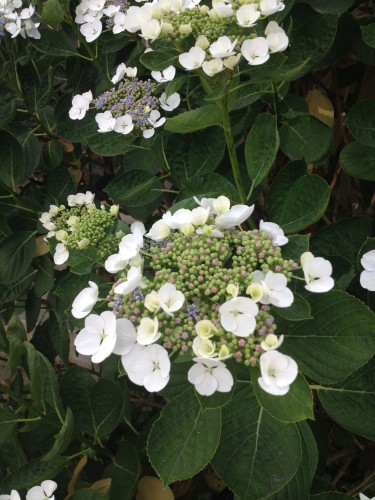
(110, 144)
(337, 341)
(54, 43)
(16, 255)
(350, 403)
(262, 144)
(358, 160)
(361, 121)
(184, 438)
(330, 6)
(12, 161)
(305, 137)
(196, 119)
(33, 473)
(60, 185)
(127, 469)
(304, 203)
(351, 233)
(257, 454)
(206, 151)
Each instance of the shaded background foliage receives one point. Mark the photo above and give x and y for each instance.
(304, 130)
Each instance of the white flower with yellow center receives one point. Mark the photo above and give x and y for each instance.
(274, 287)
(205, 329)
(170, 299)
(271, 342)
(210, 375)
(204, 348)
(98, 338)
(148, 331)
(317, 273)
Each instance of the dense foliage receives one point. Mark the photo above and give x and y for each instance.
(187, 196)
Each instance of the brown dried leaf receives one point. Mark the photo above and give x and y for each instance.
(320, 106)
(151, 488)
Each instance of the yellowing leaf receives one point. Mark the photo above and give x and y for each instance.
(102, 486)
(151, 488)
(41, 247)
(320, 106)
(72, 486)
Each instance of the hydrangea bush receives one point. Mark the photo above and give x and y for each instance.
(187, 257)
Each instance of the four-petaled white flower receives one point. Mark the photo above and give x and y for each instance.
(166, 75)
(255, 50)
(204, 348)
(278, 372)
(274, 287)
(80, 104)
(210, 375)
(155, 121)
(171, 102)
(367, 277)
(85, 301)
(159, 231)
(276, 37)
(98, 338)
(124, 124)
(213, 67)
(317, 273)
(148, 366)
(91, 31)
(247, 15)
(170, 299)
(105, 121)
(223, 47)
(238, 316)
(192, 59)
(42, 492)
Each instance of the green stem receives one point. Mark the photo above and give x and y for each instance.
(232, 152)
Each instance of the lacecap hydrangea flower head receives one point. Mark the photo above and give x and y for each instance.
(80, 225)
(208, 294)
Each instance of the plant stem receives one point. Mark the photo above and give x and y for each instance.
(232, 151)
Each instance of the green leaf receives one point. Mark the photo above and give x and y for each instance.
(107, 406)
(44, 386)
(33, 473)
(350, 403)
(12, 160)
(304, 203)
(110, 144)
(16, 255)
(247, 93)
(8, 421)
(75, 387)
(330, 495)
(357, 160)
(351, 233)
(305, 137)
(299, 310)
(292, 106)
(257, 454)
(338, 340)
(287, 176)
(46, 116)
(160, 57)
(343, 272)
(196, 119)
(63, 437)
(368, 35)
(70, 286)
(87, 494)
(54, 43)
(60, 185)
(262, 144)
(59, 335)
(31, 152)
(44, 279)
(331, 6)
(82, 261)
(136, 190)
(53, 153)
(206, 151)
(15, 290)
(309, 45)
(53, 13)
(296, 246)
(295, 406)
(299, 486)
(8, 113)
(361, 121)
(127, 469)
(184, 438)
(16, 336)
